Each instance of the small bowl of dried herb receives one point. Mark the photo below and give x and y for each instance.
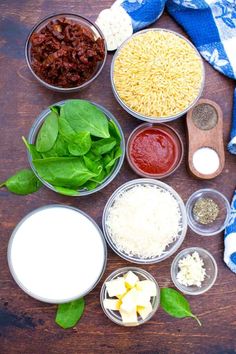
(208, 212)
(65, 52)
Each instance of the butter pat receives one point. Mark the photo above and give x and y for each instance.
(112, 304)
(116, 287)
(144, 311)
(148, 287)
(129, 301)
(129, 317)
(130, 279)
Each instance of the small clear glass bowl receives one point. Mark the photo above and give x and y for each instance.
(222, 219)
(209, 264)
(139, 115)
(80, 20)
(83, 192)
(115, 316)
(172, 248)
(178, 143)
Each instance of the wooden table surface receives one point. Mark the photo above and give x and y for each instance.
(26, 325)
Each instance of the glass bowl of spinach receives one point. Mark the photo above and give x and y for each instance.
(76, 147)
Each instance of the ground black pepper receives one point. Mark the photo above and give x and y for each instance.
(204, 116)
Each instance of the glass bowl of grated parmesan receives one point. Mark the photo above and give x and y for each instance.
(144, 221)
(194, 271)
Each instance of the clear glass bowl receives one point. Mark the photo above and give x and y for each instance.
(115, 316)
(33, 135)
(172, 248)
(222, 219)
(179, 149)
(139, 115)
(29, 291)
(80, 20)
(209, 264)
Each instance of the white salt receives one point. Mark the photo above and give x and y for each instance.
(206, 160)
(56, 254)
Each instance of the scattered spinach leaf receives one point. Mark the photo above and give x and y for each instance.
(85, 117)
(81, 144)
(69, 314)
(175, 304)
(23, 182)
(48, 132)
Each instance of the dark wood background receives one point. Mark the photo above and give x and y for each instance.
(26, 325)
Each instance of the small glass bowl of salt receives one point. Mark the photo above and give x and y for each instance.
(208, 212)
(194, 271)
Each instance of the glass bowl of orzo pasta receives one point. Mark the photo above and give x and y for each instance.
(157, 75)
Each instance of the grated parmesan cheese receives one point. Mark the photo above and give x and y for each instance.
(192, 271)
(144, 220)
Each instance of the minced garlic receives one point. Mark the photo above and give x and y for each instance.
(191, 270)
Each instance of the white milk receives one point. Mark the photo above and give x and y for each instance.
(56, 254)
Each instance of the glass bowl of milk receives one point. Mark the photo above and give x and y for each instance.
(57, 254)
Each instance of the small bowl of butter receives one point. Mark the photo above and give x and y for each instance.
(194, 271)
(130, 296)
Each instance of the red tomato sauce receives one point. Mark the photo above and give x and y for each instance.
(153, 151)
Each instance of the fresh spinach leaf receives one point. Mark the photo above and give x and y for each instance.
(90, 185)
(32, 149)
(48, 133)
(114, 131)
(94, 166)
(23, 182)
(81, 144)
(109, 165)
(55, 109)
(59, 149)
(93, 157)
(65, 129)
(69, 314)
(103, 146)
(67, 191)
(84, 116)
(175, 304)
(69, 172)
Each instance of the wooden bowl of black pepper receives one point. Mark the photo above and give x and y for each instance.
(65, 52)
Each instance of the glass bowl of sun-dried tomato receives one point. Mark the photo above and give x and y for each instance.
(65, 52)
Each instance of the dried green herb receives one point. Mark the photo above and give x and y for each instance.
(205, 211)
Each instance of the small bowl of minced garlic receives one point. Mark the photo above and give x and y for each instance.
(194, 271)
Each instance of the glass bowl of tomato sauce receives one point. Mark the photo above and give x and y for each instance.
(154, 150)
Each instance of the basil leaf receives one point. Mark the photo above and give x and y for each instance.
(81, 144)
(69, 172)
(23, 182)
(103, 146)
(69, 314)
(67, 191)
(175, 304)
(85, 117)
(48, 133)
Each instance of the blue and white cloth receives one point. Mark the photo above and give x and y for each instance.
(230, 238)
(211, 24)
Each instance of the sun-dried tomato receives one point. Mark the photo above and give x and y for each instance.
(65, 53)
